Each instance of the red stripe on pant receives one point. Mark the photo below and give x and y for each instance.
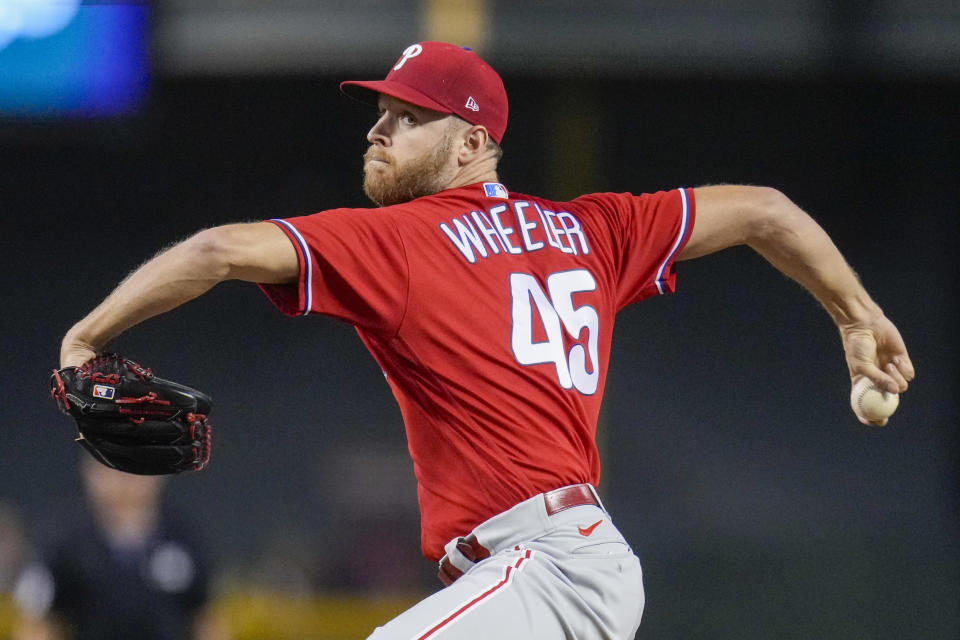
(486, 594)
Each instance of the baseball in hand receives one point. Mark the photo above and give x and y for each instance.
(872, 403)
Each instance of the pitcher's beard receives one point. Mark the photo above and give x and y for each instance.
(421, 177)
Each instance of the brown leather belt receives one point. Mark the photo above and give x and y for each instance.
(573, 496)
(555, 502)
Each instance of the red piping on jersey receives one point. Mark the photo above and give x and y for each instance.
(507, 578)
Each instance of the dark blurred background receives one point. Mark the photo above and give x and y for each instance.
(758, 504)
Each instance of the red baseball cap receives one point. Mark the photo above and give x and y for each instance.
(445, 78)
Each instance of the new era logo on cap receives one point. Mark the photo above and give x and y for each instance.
(442, 77)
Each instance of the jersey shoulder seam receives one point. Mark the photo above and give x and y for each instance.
(406, 260)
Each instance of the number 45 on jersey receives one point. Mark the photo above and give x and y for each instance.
(557, 313)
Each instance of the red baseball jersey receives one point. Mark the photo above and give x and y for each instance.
(491, 314)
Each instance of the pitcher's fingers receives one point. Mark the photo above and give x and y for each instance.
(879, 423)
(897, 376)
(904, 366)
(877, 375)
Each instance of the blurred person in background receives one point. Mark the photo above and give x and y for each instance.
(13, 545)
(122, 568)
(14, 550)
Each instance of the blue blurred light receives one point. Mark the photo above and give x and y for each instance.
(64, 58)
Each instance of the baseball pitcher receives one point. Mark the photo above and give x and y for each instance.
(492, 313)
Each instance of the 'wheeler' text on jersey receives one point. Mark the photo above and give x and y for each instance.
(491, 314)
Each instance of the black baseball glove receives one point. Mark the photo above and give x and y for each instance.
(131, 420)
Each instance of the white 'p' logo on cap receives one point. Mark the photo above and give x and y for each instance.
(410, 52)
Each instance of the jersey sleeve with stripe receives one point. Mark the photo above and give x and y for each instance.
(492, 316)
(352, 267)
(646, 234)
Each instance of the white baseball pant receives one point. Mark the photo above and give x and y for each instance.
(569, 575)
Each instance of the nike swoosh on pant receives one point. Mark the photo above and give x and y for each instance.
(589, 530)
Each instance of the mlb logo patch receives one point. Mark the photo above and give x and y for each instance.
(495, 190)
(103, 391)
